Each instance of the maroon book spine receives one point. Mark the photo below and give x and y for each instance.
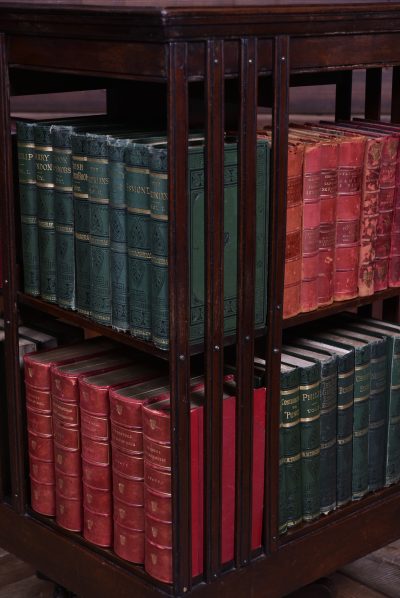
(292, 283)
(351, 159)
(394, 259)
(369, 215)
(387, 189)
(311, 226)
(329, 190)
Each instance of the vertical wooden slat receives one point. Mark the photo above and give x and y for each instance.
(276, 271)
(373, 93)
(395, 105)
(343, 95)
(246, 282)
(214, 316)
(179, 313)
(14, 398)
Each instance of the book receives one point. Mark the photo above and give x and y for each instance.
(37, 367)
(310, 411)
(292, 279)
(196, 239)
(378, 398)
(67, 432)
(328, 421)
(362, 389)
(344, 415)
(290, 475)
(28, 206)
(96, 444)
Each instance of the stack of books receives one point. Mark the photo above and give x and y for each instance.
(101, 449)
(94, 217)
(340, 416)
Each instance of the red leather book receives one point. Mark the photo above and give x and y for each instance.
(348, 209)
(67, 433)
(96, 447)
(292, 284)
(40, 417)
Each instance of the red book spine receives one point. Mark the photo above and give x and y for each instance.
(351, 159)
(311, 225)
(292, 284)
(329, 190)
(369, 215)
(394, 259)
(387, 189)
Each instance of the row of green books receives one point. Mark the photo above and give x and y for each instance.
(340, 416)
(94, 217)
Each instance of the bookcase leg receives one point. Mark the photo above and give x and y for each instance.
(322, 588)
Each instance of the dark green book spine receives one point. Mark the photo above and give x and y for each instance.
(345, 410)
(28, 206)
(118, 234)
(392, 475)
(81, 222)
(290, 506)
(310, 440)
(159, 246)
(137, 189)
(64, 215)
(377, 415)
(46, 215)
(360, 424)
(99, 232)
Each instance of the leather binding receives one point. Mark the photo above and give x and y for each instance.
(96, 446)
(362, 389)
(328, 394)
(292, 284)
(310, 409)
(345, 409)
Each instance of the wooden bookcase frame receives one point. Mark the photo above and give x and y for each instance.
(266, 49)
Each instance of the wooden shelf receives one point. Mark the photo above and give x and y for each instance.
(338, 307)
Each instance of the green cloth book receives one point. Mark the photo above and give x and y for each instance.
(377, 404)
(344, 413)
(159, 238)
(362, 389)
(328, 431)
(290, 487)
(28, 206)
(310, 413)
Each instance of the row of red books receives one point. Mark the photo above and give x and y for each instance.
(100, 453)
(343, 213)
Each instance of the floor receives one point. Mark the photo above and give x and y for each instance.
(375, 576)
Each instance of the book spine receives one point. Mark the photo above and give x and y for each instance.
(118, 235)
(392, 475)
(351, 155)
(137, 191)
(310, 411)
(28, 206)
(369, 216)
(377, 415)
(345, 410)
(329, 190)
(291, 509)
(362, 389)
(159, 246)
(99, 235)
(387, 188)
(64, 216)
(328, 393)
(394, 259)
(81, 222)
(310, 228)
(292, 284)
(46, 216)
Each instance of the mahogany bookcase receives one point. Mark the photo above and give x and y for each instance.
(157, 59)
